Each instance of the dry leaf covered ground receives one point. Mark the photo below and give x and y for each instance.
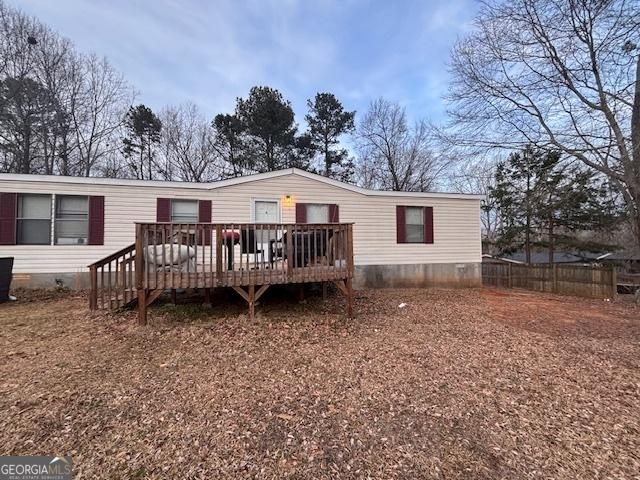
(457, 384)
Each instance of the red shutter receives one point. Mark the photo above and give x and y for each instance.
(163, 210)
(204, 216)
(204, 211)
(400, 224)
(301, 213)
(428, 224)
(334, 213)
(8, 206)
(96, 220)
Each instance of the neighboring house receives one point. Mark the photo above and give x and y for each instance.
(559, 257)
(55, 226)
(625, 260)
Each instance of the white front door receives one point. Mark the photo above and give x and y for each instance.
(266, 211)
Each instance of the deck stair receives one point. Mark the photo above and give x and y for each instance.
(113, 280)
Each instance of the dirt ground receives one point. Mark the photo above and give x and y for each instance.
(457, 384)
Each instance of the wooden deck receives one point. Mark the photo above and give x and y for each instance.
(246, 257)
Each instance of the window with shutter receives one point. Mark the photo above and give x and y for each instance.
(34, 219)
(184, 211)
(317, 213)
(414, 224)
(71, 220)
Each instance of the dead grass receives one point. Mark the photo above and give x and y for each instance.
(458, 384)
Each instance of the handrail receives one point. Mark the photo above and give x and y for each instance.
(113, 276)
(113, 256)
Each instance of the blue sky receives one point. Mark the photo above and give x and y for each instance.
(210, 52)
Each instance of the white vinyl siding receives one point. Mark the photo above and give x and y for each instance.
(456, 220)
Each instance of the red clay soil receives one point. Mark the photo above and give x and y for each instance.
(457, 384)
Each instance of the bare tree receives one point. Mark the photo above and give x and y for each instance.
(17, 31)
(394, 156)
(560, 74)
(479, 177)
(63, 109)
(57, 68)
(100, 113)
(188, 145)
(26, 108)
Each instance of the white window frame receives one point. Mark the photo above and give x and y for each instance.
(414, 224)
(51, 219)
(54, 218)
(197, 202)
(328, 205)
(260, 199)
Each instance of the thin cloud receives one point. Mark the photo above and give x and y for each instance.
(212, 52)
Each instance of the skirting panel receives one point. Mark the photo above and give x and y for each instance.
(418, 275)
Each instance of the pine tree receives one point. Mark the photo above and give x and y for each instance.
(269, 123)
(327, 121)
(143, 134)
(573, 199)
(230, 143)
(545, 202)
(517, 194)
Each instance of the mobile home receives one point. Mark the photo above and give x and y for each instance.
(55, 226)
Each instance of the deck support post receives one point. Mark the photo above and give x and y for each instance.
(346, 287)
(301, 292)
(93, 294)
(251, 296)
(349, 283)
(142, 306)
(324, 291)
(252, 301)
(174, 296)
(207, 297)
(140, 270)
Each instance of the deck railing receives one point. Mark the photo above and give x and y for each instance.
(113, 280)
(171, 256)
(204, 255)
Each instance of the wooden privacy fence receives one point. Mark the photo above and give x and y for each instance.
(581, 281)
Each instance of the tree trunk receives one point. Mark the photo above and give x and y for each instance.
(527, 233)
(635, 156)
(141, 172)
(327, 159)
(551, 241)
(527, 240)
(25, 161)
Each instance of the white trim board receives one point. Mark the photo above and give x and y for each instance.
(229, 182)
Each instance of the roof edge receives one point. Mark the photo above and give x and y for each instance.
(230, 182)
